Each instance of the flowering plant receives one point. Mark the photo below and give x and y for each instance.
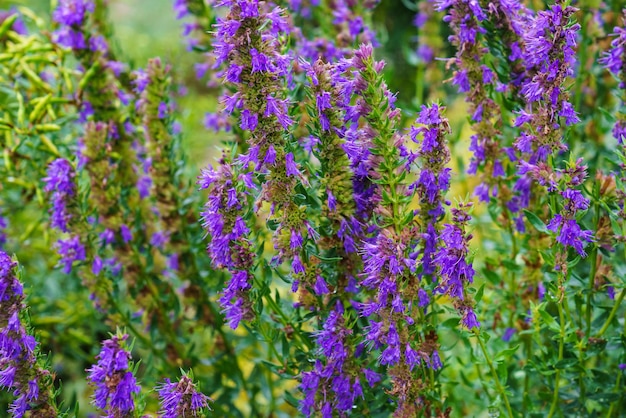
(363, 244)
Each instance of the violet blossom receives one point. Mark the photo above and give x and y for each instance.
(113, 378)
(181, 399)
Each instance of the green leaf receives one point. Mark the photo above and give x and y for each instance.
(536, 222)
(549, 321)
(507, 352)
(479, 294)
(492, 276)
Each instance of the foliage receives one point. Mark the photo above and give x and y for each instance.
(341, 256)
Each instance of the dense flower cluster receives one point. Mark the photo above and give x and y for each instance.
(60, 181)
(432, 183)
(181, 399)
(550, 58)
(567, 184)
(477, 80)
(71, 15)
(249, 43)
(229, 246)
(330, 386)
(113, 378)
(19, 371)
(455, 269)
(614, 60)
(319, 187)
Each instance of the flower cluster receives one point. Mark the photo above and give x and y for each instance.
(550, 58)
(19, 370)
(71, 15)
(565, 224)
(433, 181)
(60, 181)
(113, 378)
(476, 79)
(454, 268)
(181, 399)
(330, 386)
(389, 256)
(346, 28)
(614, 60)
(229, 246)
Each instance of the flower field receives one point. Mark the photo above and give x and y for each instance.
(319, 208)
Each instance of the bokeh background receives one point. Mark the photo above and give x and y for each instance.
(148, 28)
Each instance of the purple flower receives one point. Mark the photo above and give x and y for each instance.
(249, 120)
(70, 250)
(114, 383)
(508, 334)
(60, 181)
(451, 259)
(107, 236)
(159, 239)
(162, 110)
(98, 44)
(260, 62)
(570, 234)
(117, 67)
(181, 399)
(70, 38)
(610, 292)
(126, 234)
(291, 167)
(469, 319)
(140, 81)
(320, 287)
(3, 226)
(144, 185)
(72, 12)
(19, 371)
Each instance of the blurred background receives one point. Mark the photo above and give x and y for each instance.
(148, 28)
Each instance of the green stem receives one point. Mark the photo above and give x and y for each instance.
(583, 58)
(495, 375)
(512, 275)
(419, 84)
(218, 325)
(483, 382)
(592, 275)
(608, 321)
(557, 376)
(270, 377)
(128, 323)
(619, 374)
(284, 320)
(594, 261)
(525, 400)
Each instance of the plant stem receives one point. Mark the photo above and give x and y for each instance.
(482, 382)
(557, 376)
(619, 374)
(594, 262)
(527, 347)
(495, 375)
(284, 320)
(608, 321)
